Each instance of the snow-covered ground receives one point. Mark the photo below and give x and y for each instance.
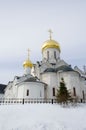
(42, 117)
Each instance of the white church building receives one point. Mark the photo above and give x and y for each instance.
(41, 80)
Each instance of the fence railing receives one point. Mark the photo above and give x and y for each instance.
(7, 101)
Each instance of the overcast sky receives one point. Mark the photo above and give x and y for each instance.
(25, 23)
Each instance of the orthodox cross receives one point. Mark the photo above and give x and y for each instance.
(28, 54)
(50, 31)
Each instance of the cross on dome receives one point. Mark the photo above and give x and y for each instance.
(50, 31)
(27, 63)
(28, 54)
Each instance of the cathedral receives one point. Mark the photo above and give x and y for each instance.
(42, 79)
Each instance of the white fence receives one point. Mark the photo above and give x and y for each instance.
(8, 101)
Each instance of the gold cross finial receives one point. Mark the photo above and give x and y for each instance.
(50, 31)
(28, 53)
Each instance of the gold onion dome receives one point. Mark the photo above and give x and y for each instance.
(28, 63)
(50, 44)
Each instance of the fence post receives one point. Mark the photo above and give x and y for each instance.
(23, 101)
(52, 101)
(81, 100)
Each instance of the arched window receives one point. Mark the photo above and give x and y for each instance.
(55, 54)
(53, 91)
(83, 94)
(47, 54)
(27, 93)
(74, 91)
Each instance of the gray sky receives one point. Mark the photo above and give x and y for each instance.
(25, 23)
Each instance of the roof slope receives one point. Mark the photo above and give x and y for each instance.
(62, 68)
(2, 87)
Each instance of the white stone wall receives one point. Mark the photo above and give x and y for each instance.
(36, 90)
(83, 87)
(50, 79)
(36, 71)
(27, 70)
(8, 91)
(72, 79)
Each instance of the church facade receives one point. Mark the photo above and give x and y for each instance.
(41, 80)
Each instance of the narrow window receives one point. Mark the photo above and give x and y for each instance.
(74, 91)
(55, 54)
(27, 92)
(48, 54)
(53, 91)
(83, 94)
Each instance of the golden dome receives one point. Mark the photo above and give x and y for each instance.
(50, 44)
(27, 63)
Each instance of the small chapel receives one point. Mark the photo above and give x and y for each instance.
(42, 79)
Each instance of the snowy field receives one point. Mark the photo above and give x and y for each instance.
(42, 117)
